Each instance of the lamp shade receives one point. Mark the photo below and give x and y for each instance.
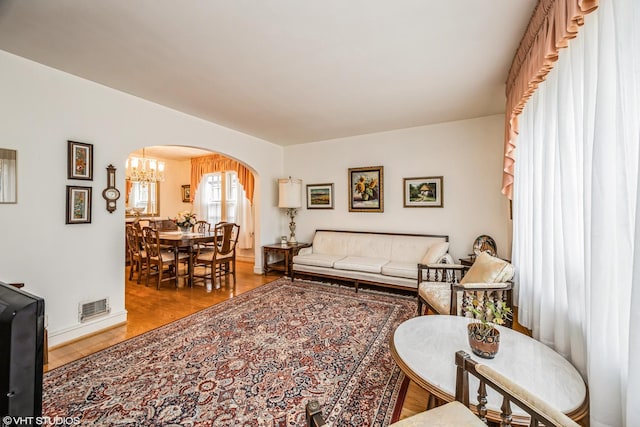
(290, 193)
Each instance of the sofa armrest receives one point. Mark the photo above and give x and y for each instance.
(306, 251)
(483, 286)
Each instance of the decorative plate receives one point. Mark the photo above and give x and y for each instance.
(485, 243)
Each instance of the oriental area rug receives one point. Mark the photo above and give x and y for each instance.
(254, 360)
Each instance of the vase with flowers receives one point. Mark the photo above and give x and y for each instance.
(484, 338)
(185, 221)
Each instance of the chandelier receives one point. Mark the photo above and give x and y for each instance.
(144, 170)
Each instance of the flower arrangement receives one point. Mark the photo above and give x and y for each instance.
(487, 314)
(185, 219)
(367, 188)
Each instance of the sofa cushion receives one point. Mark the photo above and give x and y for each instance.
(411, 248)
(435, 252)
(400, 269)
(488, 269)
(357, 263)
(367, 245)
(320, 260)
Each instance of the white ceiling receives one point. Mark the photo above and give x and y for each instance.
(287, 71)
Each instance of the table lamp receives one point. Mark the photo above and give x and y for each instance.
(290, 198)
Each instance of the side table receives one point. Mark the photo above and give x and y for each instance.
(283, 262)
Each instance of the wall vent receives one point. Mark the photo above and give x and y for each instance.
(92, 309)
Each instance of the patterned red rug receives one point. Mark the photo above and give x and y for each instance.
(254, 360)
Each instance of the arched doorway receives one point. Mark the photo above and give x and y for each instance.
(175, 193)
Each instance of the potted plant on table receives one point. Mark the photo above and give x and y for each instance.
(484, 338)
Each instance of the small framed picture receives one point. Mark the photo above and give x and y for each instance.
(78, 205)
(423, 192)
(366, 189)
(320, 196)
(79, 160)
(186, 193)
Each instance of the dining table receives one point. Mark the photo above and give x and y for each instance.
(181, 241)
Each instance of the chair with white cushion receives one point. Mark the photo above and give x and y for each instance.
(159, 257)
(488, 277)
(459, 414)
(220, 260)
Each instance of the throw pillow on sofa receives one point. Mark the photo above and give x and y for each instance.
(488, 269)
(435, 252)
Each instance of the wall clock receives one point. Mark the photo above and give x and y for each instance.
(111, 193)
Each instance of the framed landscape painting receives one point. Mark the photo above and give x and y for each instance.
(366, 189)
(78, 205)
(320, 196)
(80, 160)
(423, 192)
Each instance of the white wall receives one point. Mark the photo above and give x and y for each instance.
(468, 154)
(40, 109)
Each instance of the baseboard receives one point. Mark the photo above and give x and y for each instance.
(73, 333)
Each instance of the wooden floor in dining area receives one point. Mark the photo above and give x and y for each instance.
(149, 308)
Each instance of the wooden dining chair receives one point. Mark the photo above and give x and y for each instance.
(202, 226)
(159, 259)
(221, 261)
(135, 251)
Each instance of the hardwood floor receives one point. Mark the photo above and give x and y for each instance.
(149, 308)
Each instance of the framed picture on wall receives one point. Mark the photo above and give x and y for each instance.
(78, 205)
(320, 196)
(366, 189)
(186, 193)
(423, 192)
(79, 160)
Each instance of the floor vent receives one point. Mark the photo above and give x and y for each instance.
(93, 309)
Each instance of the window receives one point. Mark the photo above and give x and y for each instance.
(216, 208)
(143, 198)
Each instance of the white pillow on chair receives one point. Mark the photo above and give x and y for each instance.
(488, 269)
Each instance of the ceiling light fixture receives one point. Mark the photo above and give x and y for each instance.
(144, 170)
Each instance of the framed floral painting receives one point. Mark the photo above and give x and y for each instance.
(366, 189)
(80, 160)
(423, 192)
(78, 205)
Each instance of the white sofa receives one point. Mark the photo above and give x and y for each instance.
(383, 259)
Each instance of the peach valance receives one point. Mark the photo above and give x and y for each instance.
(552, 25)
(200, 166)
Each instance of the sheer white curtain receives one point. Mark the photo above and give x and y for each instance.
(207, 204)
(576, 217)
(244, 218)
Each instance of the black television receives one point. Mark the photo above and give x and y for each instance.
(21, 352)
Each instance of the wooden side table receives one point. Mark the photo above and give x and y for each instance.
(281, 263)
